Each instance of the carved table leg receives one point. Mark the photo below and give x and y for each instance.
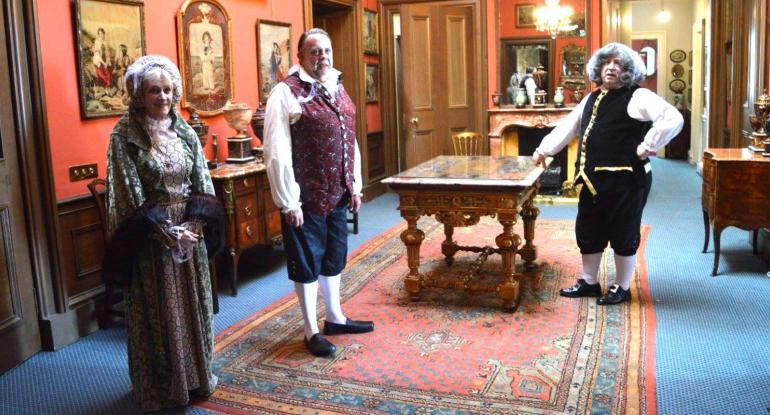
(706, 228)
(717, 237)
(508, 243)
(449, 247)
(412, 238)
(528, 252)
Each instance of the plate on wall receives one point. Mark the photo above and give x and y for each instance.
(677, 85)
(677, 55)
(677, 70)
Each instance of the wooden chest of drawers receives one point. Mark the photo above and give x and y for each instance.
(734, 193)
(252, 217)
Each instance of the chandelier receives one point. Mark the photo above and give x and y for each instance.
(553, 18)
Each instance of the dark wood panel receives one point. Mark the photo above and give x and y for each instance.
(376, 153)
(81, 249)
(10, 309)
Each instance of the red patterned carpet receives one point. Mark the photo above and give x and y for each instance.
(450, 353)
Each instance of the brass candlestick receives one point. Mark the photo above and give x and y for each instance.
(215, 161)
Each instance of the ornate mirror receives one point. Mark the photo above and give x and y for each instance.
(517, 56)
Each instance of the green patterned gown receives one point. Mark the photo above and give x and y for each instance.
(168, 305)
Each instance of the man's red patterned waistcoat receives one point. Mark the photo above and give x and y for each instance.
(322, 144)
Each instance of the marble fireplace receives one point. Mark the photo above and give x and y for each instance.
(518, 131)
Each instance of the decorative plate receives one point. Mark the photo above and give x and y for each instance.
(677, 85)
(677, 55)
(677, 70)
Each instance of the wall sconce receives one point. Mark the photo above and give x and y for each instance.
(663, 15)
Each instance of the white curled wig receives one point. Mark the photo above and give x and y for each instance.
(149, 65)
(632, 67)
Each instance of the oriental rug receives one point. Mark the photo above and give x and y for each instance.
(450, 352)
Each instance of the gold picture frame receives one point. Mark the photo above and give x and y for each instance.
(204, 36)
(273, 55)
(371, 30)
(525, 15)
(372, 90)
(110, 36)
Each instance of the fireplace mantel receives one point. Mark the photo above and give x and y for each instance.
(510, 116)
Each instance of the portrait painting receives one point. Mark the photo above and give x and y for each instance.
(273, 55)
(525, 15)
(110, 36)
(371, 44)
(205, 56)
(372, 83)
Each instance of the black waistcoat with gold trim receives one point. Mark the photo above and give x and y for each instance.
(610, 145)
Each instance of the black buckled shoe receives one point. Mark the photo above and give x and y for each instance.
(350, 327)
(615, 295)
(582, 289)
(319, 346)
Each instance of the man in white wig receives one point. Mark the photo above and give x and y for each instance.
(619, 125)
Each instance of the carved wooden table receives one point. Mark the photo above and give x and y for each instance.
(734, 193)
(252, 217)
(458, 190)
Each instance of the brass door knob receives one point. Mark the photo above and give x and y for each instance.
(249, 231)
(247, 210)
(415, 120)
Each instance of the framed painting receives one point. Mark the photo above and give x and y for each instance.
(372, 83)
(525, 15)
(273, 55)
(371, 43)
(110, 36)
(204, 37)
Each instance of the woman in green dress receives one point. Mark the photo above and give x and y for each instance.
(155, 168)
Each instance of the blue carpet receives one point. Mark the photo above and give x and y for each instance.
(712, 354)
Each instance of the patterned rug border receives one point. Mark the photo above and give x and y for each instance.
(636, 375)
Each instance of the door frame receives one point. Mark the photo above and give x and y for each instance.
(36, 173)
(357, 92)
(390, 124)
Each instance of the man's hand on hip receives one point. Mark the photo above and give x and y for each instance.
(294, 218)
(355, 203)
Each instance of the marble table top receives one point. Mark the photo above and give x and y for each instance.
(477, 171)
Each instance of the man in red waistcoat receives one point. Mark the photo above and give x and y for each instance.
(314, 167)
(619, 126)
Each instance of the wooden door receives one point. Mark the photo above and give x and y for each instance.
(438, 46)
(19, 332)
(338, 24)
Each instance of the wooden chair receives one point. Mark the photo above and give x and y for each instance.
(97, 187)
(467, 144)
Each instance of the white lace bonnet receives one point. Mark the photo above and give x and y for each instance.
(136, 72)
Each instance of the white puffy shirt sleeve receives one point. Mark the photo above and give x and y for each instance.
(281, 111)
(667, 122)
(357, 180)
(563, 133)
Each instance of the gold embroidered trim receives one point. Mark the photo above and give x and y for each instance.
(621, 168)
(581, 173)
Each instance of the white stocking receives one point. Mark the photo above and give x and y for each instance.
(330, 287)
(591, 267)
(308, 300)
(624, 270)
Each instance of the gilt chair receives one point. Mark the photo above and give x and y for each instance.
(467, 144)
(112, 294)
